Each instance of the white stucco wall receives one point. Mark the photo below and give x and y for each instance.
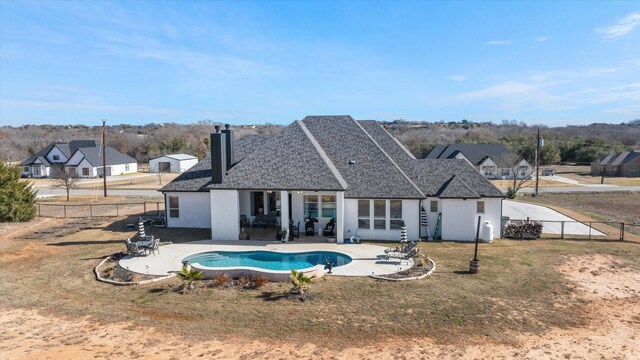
(410, 215)
(176, 165)
(120, 169)
(460, 218)
(225, 214)
(195, 210)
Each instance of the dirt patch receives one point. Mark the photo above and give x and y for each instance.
(602, 277)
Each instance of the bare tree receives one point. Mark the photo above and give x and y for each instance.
(63, 179)
(160, 174)
(519, 183)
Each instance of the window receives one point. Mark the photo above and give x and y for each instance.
(489, 169)
(505, 172)
(174, 207)
(273, 202)
(434, 206)
(379, 214)
(56, 157)
(257, 203)
(395, 213)
(311, 206)
(480, 207)
(72, 170)
(126, 167)
(85, 171)
(364, 212)
(36, 170)
(25, 169)
(523, 170)
(328, 206)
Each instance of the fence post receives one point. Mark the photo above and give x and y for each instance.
(562, 230)
(589, 230)
(145, 207)
(64, 207)
(622, 231)
(91, 210)
(117, 210)
(38, 209)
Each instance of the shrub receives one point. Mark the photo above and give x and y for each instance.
(260, 281)
(221, 279)
(511, 193)
(17, 198)
(244, 281)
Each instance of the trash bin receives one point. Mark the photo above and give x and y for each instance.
(487, 232)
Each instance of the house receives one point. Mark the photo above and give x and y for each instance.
(39, 165)
(175, 163)
(87, 162)
(493, 161)
(330, 167)
(625, 164)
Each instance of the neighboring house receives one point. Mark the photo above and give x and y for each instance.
(493, 161)
(87, 162)
(39, 165)
(175, 163)
(328, 167)
(625, 164)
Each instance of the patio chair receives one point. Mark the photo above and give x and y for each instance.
(133, 249)
(152, 246)
(329, 228)
(356, 237)
(294, 231)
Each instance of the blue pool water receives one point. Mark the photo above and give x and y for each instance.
(270, 260)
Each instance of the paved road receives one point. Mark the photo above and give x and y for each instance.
(521, 211)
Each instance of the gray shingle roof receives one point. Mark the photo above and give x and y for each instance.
(288, 160)
(476, 153)
(374, 174)
(337, 152)
(618, 159)
(456, 188)
(433, 175)
(42, 153)
(66, 148)
(94, 156)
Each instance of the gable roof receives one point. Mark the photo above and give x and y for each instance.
(94, 156)
(66, 148)
(619, 159)
(368, 170)
(42, 153)
(476, 153)
(338, 153)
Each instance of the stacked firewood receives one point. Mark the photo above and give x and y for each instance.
(526, 230)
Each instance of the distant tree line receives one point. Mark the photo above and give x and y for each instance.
(573, 144)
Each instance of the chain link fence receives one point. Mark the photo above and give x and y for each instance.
(583, 230)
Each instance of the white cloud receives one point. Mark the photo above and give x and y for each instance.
(513, 96)
(498, 42)
(631, 110)
(457, 78)
(543, 38)
(621, 27)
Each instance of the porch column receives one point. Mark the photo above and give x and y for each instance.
(340, 217)
(284, 211)
(225, 215)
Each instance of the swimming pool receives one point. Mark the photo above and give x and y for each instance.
(269, 260)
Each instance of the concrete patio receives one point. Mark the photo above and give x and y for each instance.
(367, 259)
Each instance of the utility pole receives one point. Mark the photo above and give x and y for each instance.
(104, 156)
(537, 161)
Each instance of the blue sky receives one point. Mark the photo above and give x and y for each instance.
(134, 62)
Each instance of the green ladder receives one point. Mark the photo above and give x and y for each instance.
(436, 234)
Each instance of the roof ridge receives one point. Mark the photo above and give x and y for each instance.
(396, 140)
(388, 157)
(323, 155)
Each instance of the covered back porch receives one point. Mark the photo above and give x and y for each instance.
(264, 213)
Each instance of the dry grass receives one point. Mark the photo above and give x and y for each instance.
(142, 181)
(504, 184)
(516, 291)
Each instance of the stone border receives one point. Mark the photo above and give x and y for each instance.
(122, 283)
(380, 277)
